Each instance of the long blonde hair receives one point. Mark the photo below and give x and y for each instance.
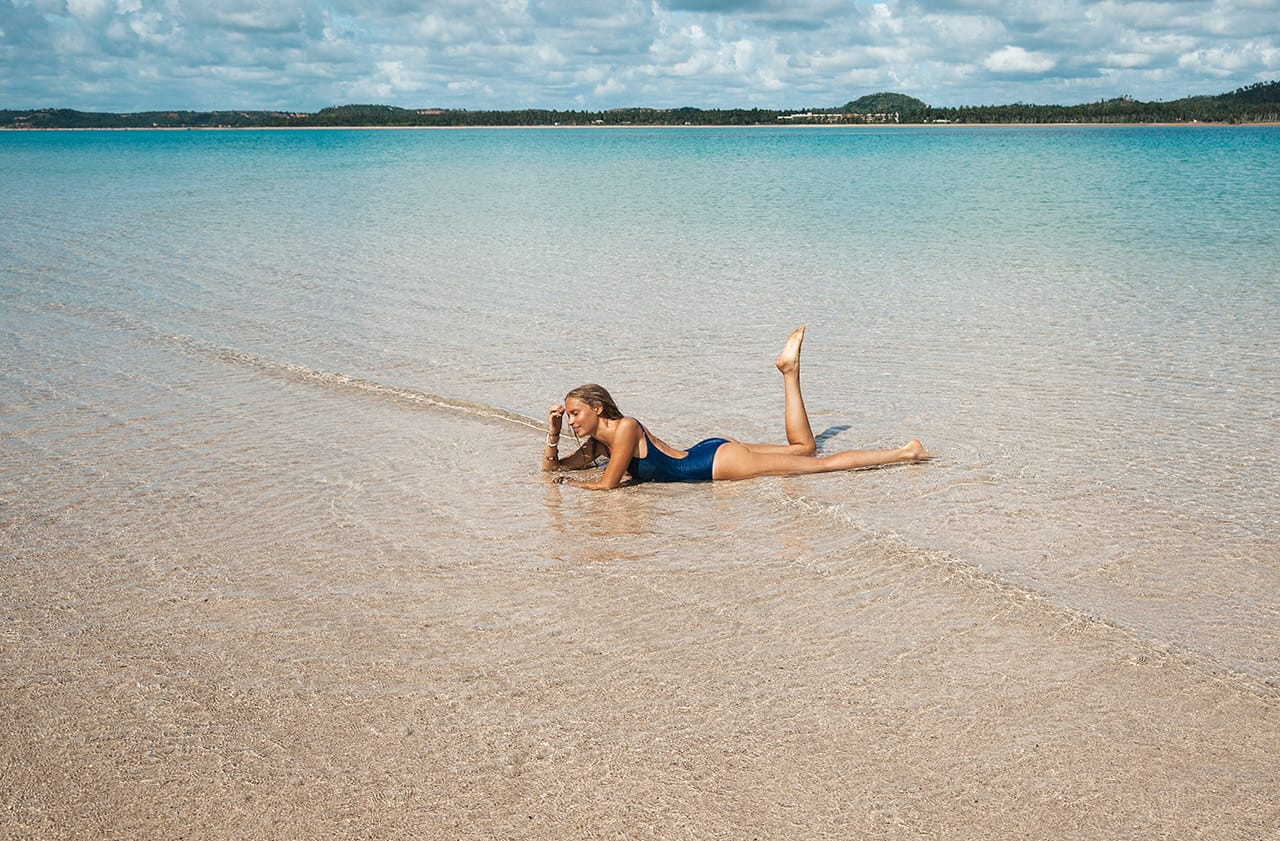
(596, 397)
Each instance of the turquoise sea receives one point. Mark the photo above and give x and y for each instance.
(280, 369)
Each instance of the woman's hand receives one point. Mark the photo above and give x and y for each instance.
(551, 453)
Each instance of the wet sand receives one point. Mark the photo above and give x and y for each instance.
(215, 665)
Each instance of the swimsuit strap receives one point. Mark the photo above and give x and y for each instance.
(647, 440)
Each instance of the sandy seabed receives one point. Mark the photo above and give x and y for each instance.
(153, 700)
(303, 658)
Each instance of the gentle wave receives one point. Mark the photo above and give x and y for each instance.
(969, 576)
(117, 320)
(338, 380)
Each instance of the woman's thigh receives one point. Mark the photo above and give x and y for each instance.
(780, 449)
(736, 460)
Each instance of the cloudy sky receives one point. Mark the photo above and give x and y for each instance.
(128, 55)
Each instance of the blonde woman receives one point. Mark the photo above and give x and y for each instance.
(633, 450)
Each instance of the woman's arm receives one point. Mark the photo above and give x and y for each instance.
(624, 444)
(581, 459)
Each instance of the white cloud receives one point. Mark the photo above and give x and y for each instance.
(608, 88)
(963, 30)
(1013, 59)
(1225, 62)
(1125, 60)
(247, 17)
(88, 10)
(882, 19)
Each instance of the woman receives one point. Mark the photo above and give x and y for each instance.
(593, 415)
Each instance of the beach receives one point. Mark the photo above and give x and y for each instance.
(279, 562)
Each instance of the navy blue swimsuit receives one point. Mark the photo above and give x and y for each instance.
(657, 466)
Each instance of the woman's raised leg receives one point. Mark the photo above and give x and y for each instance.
(800, 440)
(735, 460)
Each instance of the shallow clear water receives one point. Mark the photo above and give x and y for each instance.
(201, 334)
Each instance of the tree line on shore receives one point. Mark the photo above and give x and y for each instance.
(1255, 103)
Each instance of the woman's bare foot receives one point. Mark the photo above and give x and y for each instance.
(914, 451)
(789, 359)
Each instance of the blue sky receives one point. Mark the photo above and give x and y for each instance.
(130, 55)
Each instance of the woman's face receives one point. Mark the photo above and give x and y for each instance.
(582, 417)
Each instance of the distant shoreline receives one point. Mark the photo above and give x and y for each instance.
(661, 126)
(1254, 104)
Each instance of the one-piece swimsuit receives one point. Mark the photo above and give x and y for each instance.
(657, 466)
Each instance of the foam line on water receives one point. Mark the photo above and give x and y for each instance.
(336, 379)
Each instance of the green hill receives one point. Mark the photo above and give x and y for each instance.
(885, 103)
(1260, 93)
(364, 115)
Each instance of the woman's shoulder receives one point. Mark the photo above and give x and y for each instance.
(628, 433)
(630, 426)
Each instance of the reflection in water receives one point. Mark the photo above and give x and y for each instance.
(601, 527)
